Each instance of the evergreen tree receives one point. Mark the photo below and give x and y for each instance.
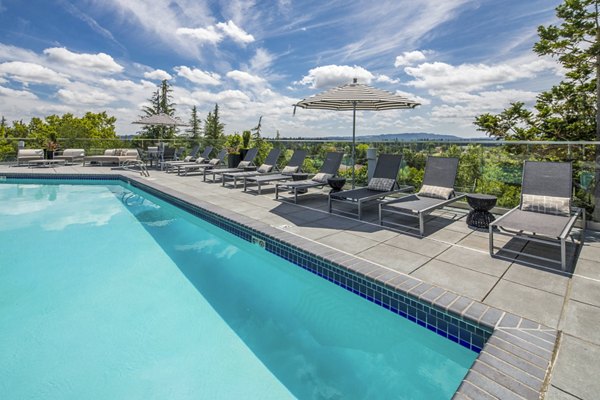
(195, 129)
(161, 102)
(214, 130)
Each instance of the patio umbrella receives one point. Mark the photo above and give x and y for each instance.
(356, 96)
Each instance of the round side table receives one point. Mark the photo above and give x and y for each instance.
(299, 176)
(336, 184)
(480, 216)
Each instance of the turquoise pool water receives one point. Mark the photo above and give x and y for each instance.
(108, 292)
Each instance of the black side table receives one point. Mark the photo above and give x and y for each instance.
(336, 184)
(480, 216)
(299, 176)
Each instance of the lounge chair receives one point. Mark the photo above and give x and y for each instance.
(246, 162)
(203, 167)
(293, 166)
(437, 192)
(26, 155)
(383, 183)
(113, 156)
(203, 158)
(266, 167)
(71, 155)
(545, 213)
(328, 170)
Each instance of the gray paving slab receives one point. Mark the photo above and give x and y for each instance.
(535, 304)
(463, 281)
(588, 268)
(555, 393)
(475, 260)
(585, 290)
(392, 257)
(424, 246)
(582, 321)
(348, 242)
(576, 368)
(537, 278)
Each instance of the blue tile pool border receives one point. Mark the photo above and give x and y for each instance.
(514, 353)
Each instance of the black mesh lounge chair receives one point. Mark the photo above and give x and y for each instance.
(246, 162)
(203, 167)
(383, 183)
(171, 165)
(437, 191)
(293, 166)
(545, 214)
(329, 168)
(266, 167)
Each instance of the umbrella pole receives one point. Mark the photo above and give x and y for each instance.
(353, 141)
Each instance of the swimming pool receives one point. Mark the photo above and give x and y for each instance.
(109, 292)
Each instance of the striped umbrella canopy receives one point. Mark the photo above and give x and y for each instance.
(356, 96)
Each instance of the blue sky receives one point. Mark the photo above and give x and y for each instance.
(459, 58)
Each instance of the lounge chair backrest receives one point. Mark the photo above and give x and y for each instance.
(547, 179)
(272, 157)
(332, 163)
(206, 152)
(388, 166)
(194, 151)
(297, 159)
(251, 155)
(169, 152)
(222, 154)
(74, 153)
(441, 171)
(30, 152)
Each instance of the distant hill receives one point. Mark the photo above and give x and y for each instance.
(405, 137)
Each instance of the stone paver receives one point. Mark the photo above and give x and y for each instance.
(395, 258)
(576, 368)
(582, 321)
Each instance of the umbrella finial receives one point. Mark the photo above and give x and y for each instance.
(355, 80)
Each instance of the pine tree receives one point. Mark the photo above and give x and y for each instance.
(195, 129)
(213, 129)
(161, 102)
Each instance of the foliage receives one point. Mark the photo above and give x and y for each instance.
(161, 102)
(232, 143)
(246, 135)
(214, 130)
(195, 129)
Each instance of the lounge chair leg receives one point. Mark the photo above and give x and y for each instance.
(491, 240)
(295, 195)
(563, 254)
(380, 216)
(421, 224)
(222, 180)
(276, 192)
(359, 211)
(329, 203)
(258, 183)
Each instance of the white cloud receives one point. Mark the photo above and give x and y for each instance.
(467, 77)
(198, 76)
(236, 33)
(90, 96)
(101, 62)
(414, 97)
(245, 78)
(214, 34)
(335, 75)
(201, 35)
(262, 60)
(157, 74)
(24, 94)
(410, 58)
(386, 79)
(26, 73)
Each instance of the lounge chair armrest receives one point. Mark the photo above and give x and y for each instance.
(497, 221)
(402, 191)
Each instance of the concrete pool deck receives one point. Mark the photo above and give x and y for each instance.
(452, 256)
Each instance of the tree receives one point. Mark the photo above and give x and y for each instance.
(161, 102)
(195, 129)
(571, 109)
(213, 129)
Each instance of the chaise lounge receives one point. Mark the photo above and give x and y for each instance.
(545, 213)
(293, 166)
(113, 156)
(246, 162)
(266, 167)
(26, 155)
(71, 156)
(437, 192)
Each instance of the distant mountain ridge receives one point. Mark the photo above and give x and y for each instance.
(405, 137)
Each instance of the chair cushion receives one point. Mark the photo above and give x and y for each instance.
(381, 184)
(214, 161)
(110, 152)
(243, 164)
(263, 169)
(289, 170)
(322, 177)
(546, 204)
(436, 192)
(187, 158)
